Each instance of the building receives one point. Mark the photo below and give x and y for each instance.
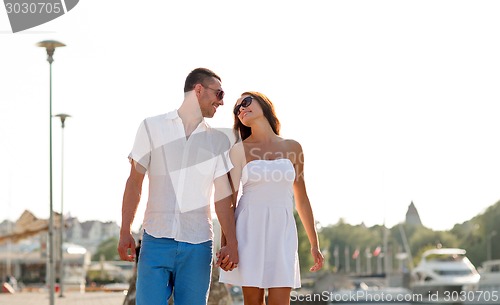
(90, 234)
(412, 217)
(24, 254)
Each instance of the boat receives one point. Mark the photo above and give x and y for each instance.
(487, 289)
(490, 276)
(442, 274)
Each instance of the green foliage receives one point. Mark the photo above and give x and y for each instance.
(478, 234)
(100, 278)
(343, 239)
(305, 257)
(108, 249)
(304, 247)
(425, 238)
(475, 236)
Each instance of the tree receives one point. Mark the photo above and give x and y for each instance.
(424, 239)
(477, 234)
(108, 249)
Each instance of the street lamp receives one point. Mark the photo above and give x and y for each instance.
(63, 117)
(488, 244)
(50, 46)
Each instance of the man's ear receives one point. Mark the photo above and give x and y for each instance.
(197, 89)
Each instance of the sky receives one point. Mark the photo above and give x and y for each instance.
(393, 101)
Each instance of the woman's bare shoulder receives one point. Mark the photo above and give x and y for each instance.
(237, 147)
(237, 153)
(292, 145)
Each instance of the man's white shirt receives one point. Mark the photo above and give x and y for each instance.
(181, 171)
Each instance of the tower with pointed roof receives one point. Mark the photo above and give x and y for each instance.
(412, 217)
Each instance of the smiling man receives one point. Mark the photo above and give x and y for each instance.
(183, 158)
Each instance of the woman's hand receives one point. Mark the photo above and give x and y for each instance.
(318, 259)
(226, 261)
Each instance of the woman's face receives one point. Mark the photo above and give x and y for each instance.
(247, 108)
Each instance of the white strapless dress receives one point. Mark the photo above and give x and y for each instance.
(265, 227)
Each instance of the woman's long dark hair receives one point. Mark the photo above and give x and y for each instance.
(242, 132)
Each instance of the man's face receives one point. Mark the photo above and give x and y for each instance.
(211, 97)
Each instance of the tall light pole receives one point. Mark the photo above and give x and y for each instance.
(63, 117)
(50, 46)
(488, 244)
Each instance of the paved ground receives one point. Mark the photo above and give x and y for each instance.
(70, 298)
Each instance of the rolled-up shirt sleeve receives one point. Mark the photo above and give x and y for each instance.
(141, 151)
(223, 164)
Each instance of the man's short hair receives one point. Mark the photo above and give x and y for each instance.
(199, 76)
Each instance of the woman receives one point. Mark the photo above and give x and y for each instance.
(270, 169)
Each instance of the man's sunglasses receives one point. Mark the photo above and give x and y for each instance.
(244, 103)
(218, 93)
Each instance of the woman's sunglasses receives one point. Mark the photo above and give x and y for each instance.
(244, 103)
(219, 94)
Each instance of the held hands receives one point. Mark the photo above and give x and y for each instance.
(126, 242)
(227, 258)
(318, 259)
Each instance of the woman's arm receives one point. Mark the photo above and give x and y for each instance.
(225, 211)
(303, 205)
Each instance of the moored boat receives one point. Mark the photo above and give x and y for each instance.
(442, 274)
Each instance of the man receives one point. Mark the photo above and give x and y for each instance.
(184, 158)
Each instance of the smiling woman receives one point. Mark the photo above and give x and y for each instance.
(272, 187)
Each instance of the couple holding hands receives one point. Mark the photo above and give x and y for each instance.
(185, 161)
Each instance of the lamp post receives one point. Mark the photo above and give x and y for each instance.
(63, 117)
(488, 244)
(50, 46)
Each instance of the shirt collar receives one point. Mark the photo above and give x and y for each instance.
(172, 115)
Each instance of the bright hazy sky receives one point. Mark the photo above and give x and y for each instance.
(392, 101)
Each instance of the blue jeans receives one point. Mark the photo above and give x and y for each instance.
(166, 265)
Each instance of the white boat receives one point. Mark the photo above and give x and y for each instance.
(490, 276)
(487, 290)
(442, 274)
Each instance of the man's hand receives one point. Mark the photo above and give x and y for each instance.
(227, 258)
(126, 242)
